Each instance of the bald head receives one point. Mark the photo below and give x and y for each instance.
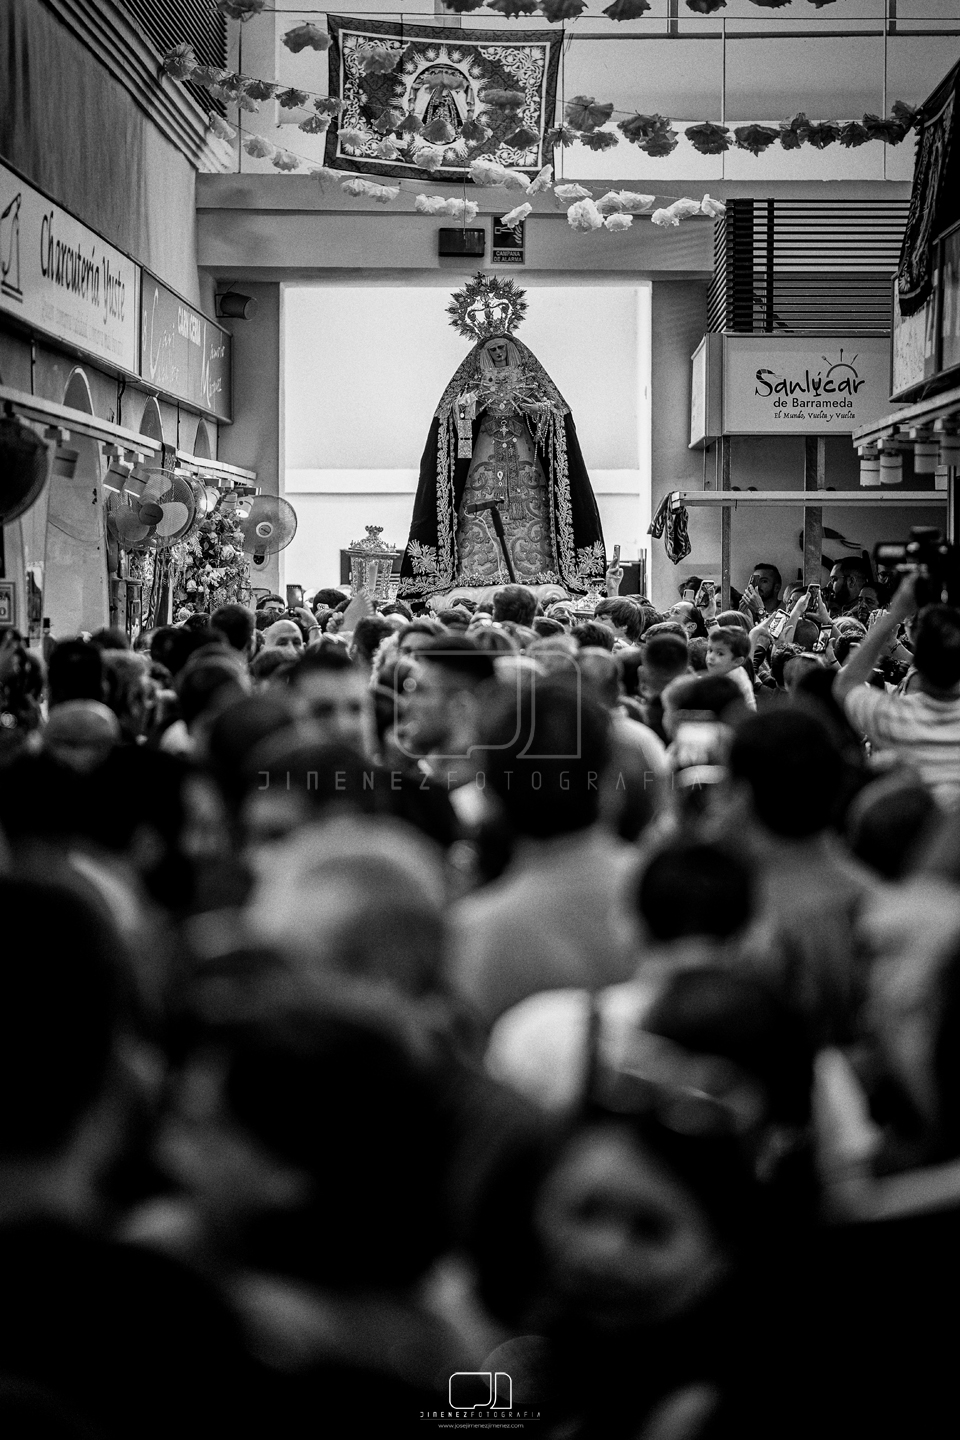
(283, 635)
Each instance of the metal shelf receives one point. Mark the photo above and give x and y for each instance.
(733, 499)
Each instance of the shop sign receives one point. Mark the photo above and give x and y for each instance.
(8, 602)
(61, 278)
(508, 242)
(183, 353)
(804, 385)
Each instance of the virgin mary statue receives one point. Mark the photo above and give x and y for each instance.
(502, 454)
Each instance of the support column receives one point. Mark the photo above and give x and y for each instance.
(726, 522)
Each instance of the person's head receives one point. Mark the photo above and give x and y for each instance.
(847, 579)
(556, 655)
(691, 889)
(418, 634)
(81, 733)
(443, 698)
(766, 580)
(369, 633)
(624, 618)
(273, 605)
(162, 816)
(888, 821)
(172, 646)
(936, 649)
(359, 897)
(283, 635)
(515, 602)
(244, 1141)
(697, 655)
(59, 1020)
(128, 690)
(601, 676)
(75, 672)
(238, 730)
(845, 646)
(594, 634)
(402, 609)
(328, 597)
(495, 639)
(237, 624)
(790, 771)
(295, 778)
(702, 695)
(110, 637)
(714, 1011)
(544, 627)
(664, 627)
(332, 691)
(207, 687)
(664, 658)
(728, 618)
(456, 619)
(727, 649)
(544, 751)
(274, 667)
(690, 618)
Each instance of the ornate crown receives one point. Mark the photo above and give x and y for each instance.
(487, 306)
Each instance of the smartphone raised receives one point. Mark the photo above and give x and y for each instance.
(616, 557)
(813, 605)
(294, 596)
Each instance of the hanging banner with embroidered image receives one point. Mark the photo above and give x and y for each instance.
(450, 97)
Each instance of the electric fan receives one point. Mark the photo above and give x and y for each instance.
(269, 527)
(24, 467)
(178, 505)
(153, 510)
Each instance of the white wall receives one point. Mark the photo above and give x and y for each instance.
(364, 367)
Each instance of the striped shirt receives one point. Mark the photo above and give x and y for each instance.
(921, 731)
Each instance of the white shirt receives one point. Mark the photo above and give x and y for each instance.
(921, 730)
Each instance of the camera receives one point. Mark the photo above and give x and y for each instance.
(931, 558)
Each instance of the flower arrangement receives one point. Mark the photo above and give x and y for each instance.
(210, 568)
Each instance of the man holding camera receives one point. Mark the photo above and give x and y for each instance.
(921, 727)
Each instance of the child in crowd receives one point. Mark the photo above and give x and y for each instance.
(728, 650)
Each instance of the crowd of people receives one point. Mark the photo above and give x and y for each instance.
(511, 1014)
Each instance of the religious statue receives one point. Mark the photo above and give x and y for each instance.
(503, 492)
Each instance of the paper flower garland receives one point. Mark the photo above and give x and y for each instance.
(512, 8)
(627, 9)
(584, 215)
(599, 139)
(755, 138)
(292, 99)
(583, 113)
(708, 139)
(618, 222)
(256, 146)
(304, 37)
(381, 193)
(180, 62)
(240, 9)
(557, 10)
(221, 129)
(513, 217)
(379, 59)
(543, 181)
(568, 193)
